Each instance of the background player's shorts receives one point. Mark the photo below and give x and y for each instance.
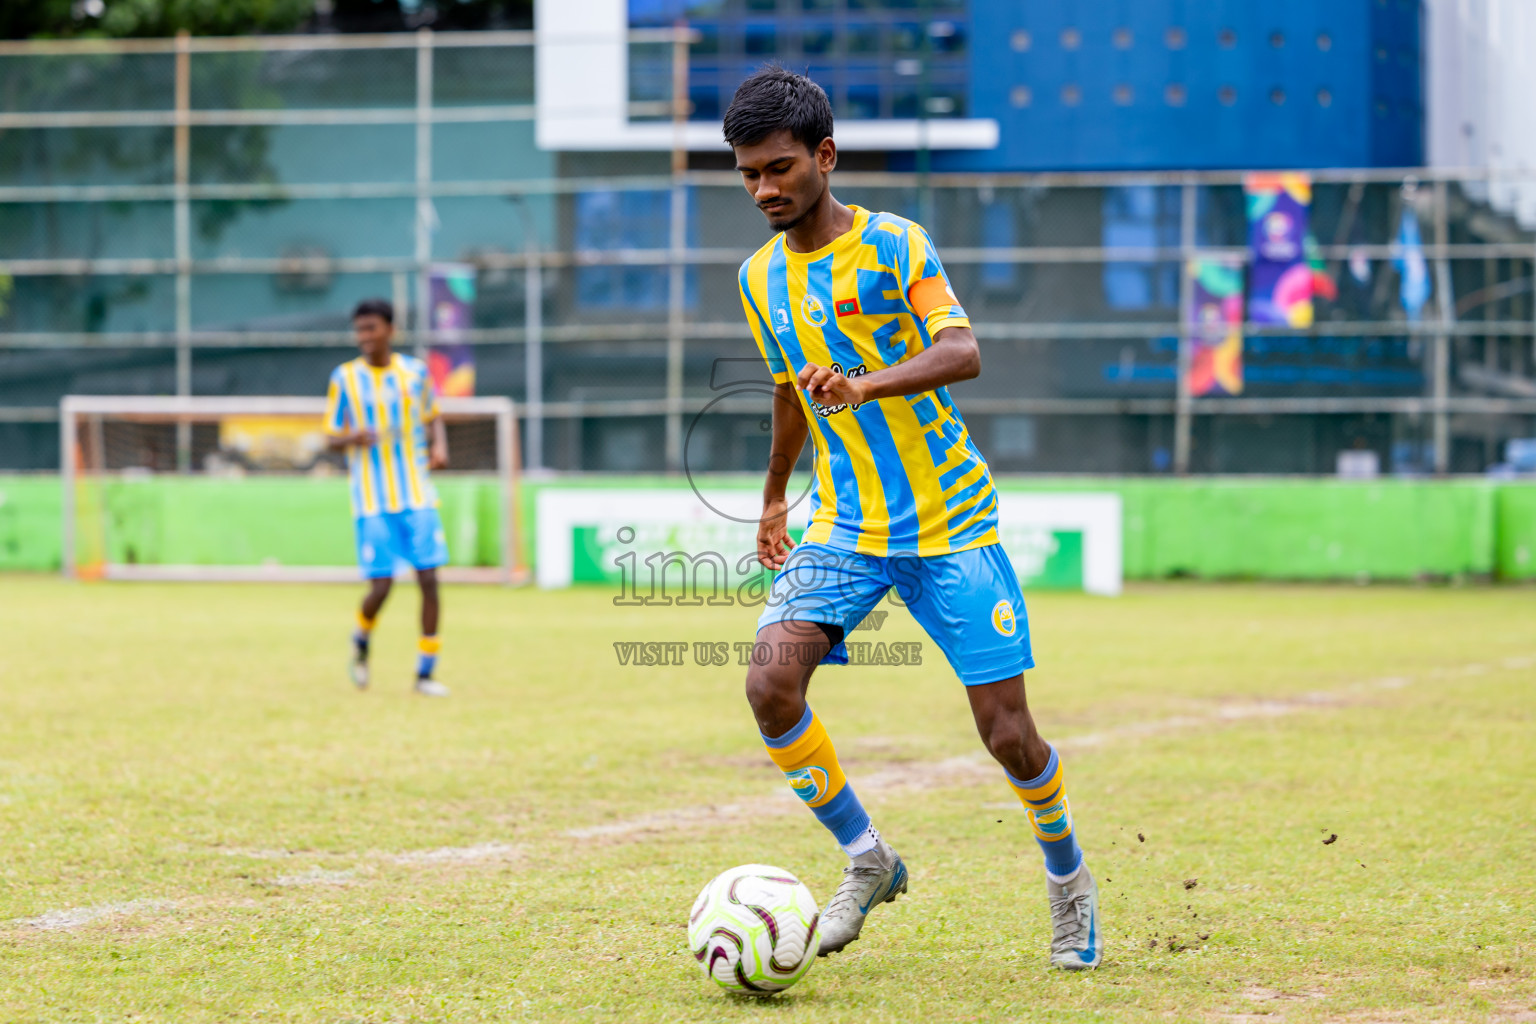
(413, 536)
(969, 602)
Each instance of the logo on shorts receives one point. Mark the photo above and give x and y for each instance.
(1002, 618)
(812, 311)
(810, 784)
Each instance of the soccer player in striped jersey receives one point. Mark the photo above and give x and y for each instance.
(857, 321)
(381, 409)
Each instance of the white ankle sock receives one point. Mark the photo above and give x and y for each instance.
(1064, 879)
(862, 843)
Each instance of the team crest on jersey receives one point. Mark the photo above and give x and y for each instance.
(1002, 618)
(810, 784)
(812, 311)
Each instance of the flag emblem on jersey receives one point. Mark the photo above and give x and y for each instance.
(1002, 618)
(848, 307)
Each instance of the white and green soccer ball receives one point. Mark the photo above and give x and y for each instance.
(753, 929)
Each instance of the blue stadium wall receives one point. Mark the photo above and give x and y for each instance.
(1150, 84)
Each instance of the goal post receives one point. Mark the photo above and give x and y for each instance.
(244, 489)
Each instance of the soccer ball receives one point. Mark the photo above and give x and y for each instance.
(753, 929)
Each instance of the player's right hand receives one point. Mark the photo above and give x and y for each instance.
(365, 439)
(773, 543)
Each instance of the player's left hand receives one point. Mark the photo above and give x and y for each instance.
(829, 387)
(438, 458)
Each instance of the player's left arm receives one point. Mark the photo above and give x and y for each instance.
(438, 457)
(437, 449)
(953, 355)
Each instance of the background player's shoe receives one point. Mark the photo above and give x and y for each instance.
(878, 876)
(360, 664)
(428, 687)
(1077, 940)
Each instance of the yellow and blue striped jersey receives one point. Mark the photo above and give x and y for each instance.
(395, 402)
(898, 475)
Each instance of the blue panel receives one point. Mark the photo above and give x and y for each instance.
(1097, 85)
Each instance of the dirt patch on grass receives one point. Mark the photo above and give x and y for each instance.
(76, 917)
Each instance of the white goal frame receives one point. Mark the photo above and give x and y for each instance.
(185, 410)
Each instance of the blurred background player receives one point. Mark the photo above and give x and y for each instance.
(862, 332)
(382, 411)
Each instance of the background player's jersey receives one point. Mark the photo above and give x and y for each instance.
(396, 403)
(898, 474)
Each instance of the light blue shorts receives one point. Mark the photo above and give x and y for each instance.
(969, 603)
(413, 537)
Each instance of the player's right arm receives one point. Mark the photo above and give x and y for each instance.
(788, 438)
(789, 433)
(339, 430)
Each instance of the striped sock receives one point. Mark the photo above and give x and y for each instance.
(426, 656)
(1050, 815)
(809, 762)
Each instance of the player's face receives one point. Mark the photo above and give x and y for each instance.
(372, 334)
(784, 178)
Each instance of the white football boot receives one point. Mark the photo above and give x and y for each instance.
(429, 687)
(359, 666)
(875, 877)
(1077, 940)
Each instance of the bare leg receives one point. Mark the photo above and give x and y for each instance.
(776, 690)
(1007, 728)
(373, 601)
(427, 579)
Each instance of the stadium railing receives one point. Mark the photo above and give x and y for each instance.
(614, 280)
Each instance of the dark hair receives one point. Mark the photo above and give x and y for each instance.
(774, 99)
(375, 307)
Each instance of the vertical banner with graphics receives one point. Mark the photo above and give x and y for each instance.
(451, 359)
(1215, 321)
(1280, 281)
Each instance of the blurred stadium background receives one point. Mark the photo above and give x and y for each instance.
(193, 197)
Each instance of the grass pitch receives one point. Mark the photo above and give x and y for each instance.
(201, 821)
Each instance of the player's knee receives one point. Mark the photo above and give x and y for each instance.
(1004, 737)
(378, 588)
(771, 692)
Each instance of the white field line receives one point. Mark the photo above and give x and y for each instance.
(317, 876)
(437, 855)
(459, 854)
(74, 917)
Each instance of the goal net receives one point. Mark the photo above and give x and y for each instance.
(166, 488)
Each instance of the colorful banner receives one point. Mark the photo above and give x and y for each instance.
(1215, 319)
(451, 299)
(1280, 281)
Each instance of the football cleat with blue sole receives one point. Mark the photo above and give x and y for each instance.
(872, 878)
(1077, 937)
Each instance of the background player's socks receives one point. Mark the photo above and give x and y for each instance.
(809, 762)
(363, 631)
(426, 656)
(1045, 801)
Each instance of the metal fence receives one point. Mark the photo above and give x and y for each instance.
(197, 216)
